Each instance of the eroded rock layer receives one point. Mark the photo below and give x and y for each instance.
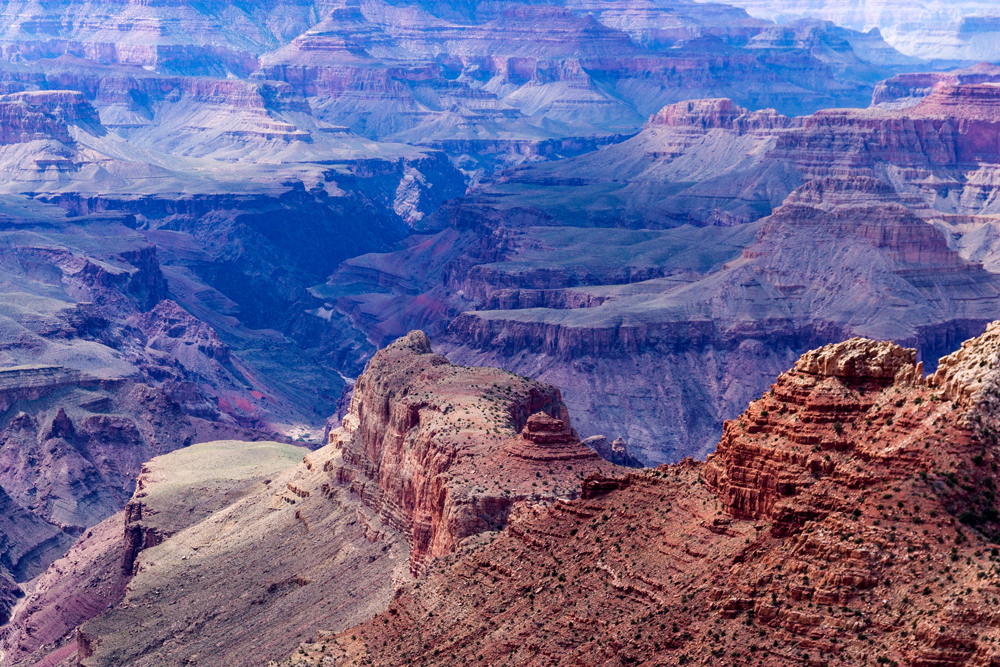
(690, 264)
(849, 516)
(261, 551)
(434, 448)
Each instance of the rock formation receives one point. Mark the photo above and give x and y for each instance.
(434, 448)
(706, 253)
(178, 178)
(428, 462)
(848, 516)
(548, 439)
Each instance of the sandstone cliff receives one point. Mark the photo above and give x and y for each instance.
(437, 449)
(849, 515)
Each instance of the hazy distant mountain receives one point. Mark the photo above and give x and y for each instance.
(929, 29)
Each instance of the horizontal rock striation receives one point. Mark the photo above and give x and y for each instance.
(548, 439)
(774, 453)
(432, 447)
(851, 501)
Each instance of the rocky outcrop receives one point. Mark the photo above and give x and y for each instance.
(548, 439)
(909, 89)
(774, 453)
(850, 501)
(855, 188)
(433, 447)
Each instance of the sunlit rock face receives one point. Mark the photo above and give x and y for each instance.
(845, 486)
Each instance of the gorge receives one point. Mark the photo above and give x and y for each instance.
(230, 231)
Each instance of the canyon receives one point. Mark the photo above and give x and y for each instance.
(847, 516)
(962, 30)
(662, 281)
(181, 181)
(234, 552)
(223, 227)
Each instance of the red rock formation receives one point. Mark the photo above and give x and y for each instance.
(432, 447)
(546, 439)
(909, 88)
(756, 477)
(849, 516)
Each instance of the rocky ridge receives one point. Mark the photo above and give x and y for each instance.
(429, 461)
(961, 31)
(848, 515)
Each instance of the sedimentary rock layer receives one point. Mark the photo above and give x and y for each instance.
(435, 448)
(848, 516)
(705, 254)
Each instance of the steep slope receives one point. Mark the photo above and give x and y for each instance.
(99, 372)
(120, 341)
(443, 452)
(174, 491)
(848, 515)
(251, 554)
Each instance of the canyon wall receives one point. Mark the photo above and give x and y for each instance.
(848, 515)
(691, 263)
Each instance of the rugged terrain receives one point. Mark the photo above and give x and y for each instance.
(199, 203)
(663, 281)
(848, 516)
(177, 177)
(233, 553)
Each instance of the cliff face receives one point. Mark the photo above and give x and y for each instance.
(693, 262)
(102, 373)
(38, 116)
(435, 448)
(432, 458)
(849, 512)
